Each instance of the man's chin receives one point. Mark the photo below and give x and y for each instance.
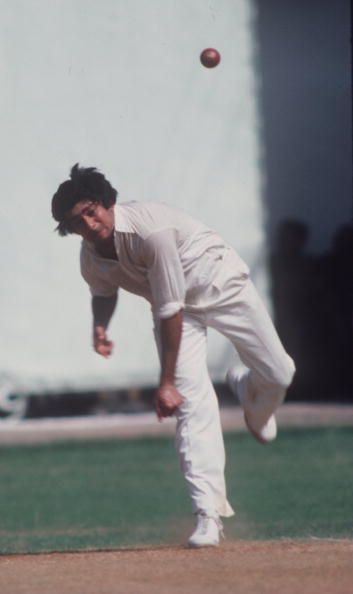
(102, 238)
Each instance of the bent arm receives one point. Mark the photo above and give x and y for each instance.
(170, 338)
(167, 283)
(102, 310)
(168, 398)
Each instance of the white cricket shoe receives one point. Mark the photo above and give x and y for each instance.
(265, 433)
(208, 531)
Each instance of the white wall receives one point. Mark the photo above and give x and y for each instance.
(116, 84)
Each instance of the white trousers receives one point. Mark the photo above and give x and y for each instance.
(236, 310)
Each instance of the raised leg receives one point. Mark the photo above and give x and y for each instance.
(243, 318)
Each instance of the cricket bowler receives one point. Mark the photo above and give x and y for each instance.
(193, 280)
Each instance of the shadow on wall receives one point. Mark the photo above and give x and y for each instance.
(303, 68)
(303, 56)
(313, 310)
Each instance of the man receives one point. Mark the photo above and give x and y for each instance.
(193, 280)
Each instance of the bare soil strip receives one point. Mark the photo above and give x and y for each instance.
(145, 424)
(289, 567)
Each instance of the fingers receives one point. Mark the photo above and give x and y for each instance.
(159, 413)
(164, 412)
(161, 410)
(103, 346)
(167, 401)
(104, 350)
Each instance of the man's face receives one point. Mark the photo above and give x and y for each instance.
(91, 220)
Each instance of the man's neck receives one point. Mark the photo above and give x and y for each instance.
(106, 248)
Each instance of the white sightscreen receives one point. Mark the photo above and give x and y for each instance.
(116, 84)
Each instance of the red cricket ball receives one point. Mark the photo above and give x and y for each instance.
(210, 57)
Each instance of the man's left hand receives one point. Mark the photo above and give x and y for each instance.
(168, 399)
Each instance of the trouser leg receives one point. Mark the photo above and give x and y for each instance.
(243, 318)
(199, 439)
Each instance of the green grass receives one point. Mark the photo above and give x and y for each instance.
(113, 493)
(299, 487)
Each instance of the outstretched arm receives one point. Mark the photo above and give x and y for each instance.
(167, 283)
(168, 397)
(102, 310)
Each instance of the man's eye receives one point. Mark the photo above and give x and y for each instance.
(76, 224)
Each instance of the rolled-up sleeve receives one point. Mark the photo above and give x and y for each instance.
(165, 273)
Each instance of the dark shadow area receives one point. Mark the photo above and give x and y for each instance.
(127, 401)
(303, 72)
(303, 68)
(313, 309)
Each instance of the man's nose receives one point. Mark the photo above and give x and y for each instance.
(89, 222)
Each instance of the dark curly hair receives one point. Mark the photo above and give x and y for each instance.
(85, 183)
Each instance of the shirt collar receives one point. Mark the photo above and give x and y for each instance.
(121, 221)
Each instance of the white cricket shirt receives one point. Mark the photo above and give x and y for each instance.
(164, 255)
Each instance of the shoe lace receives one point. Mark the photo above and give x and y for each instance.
(203, 522)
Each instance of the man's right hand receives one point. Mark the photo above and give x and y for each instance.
(167, 400)
(101, 344)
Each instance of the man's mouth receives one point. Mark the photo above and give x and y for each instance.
(94, 235)
(98, 235)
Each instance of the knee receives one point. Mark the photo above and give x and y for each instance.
(285, 373)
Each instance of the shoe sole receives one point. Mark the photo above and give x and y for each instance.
(202, 546)
(257, 436)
